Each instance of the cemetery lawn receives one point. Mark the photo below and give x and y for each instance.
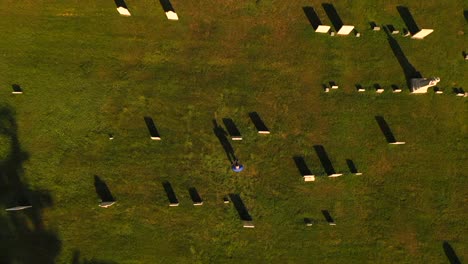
(87, 72)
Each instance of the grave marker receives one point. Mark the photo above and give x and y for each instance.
(16, 89)
(154, 134)
(259, 124)
(420, 85)
(328, 217)
(18, 208)
(422, 33)
(345, 30)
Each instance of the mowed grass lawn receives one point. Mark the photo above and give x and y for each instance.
(87, 72)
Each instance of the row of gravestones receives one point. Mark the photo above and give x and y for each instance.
(166, 5)
(342, 29)
(229, 123)
(107, 200)
(419, 85)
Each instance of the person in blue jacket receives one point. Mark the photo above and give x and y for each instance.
(236, 166)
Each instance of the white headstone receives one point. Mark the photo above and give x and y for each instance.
(236, 138)
(171, 15)
(361, 90)
(155, 138)
(376, 28)
(358, 34)
(420, 85)
(397, 90)
(308, 178)
(397, 143)
(174, 204)
(345, 30)
(439, 92)
(106, 204)
(332, 33)
(327, 90)
(422, 33)
(322, 29)
(335, 175)
(380, 90)
(249, 224)
(123, 11)
(18, 208)
(198, 203)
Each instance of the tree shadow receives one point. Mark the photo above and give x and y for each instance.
(333, 15)
(408, 69)
(302, 166)
(450, 253)
(154, 134)
(171, 196)
(166, 5)
(385, 129)
(465, 14)
(240, 207)
(408, 19)
(258, 122)
(121, 3)
(221, 134)
(324, 159)
(24, 235)
(312, 16)
(102, 190)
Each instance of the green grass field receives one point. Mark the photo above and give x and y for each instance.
(86, 72)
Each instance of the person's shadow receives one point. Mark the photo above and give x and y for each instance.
(221, 134)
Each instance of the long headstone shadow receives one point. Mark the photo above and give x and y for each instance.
(328, 217)
(325, 161)
(408, 69)
(258, 123)
(107, 199)
(465, 14)
(171, 196)
(240, 207)
(386, 131)
(304, 170)
(408, 19)
(312, 16)
(232, 129)
(221, 134)
(352, 167)
(195, 196)
(450, 253)
(166, 5)
(120, 3)
(154, 134)
(333, 15)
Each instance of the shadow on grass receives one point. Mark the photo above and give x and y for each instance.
(408, 69)
(102, 190)
(465, 14)
(408, 19)
(221, 134)
(152, 127)
(328, 217)
(166, 5)
(240, 207)
(324, 159)
(258, 122)
(76, 259)
(450, 253)
(302, 166)
(121, 3)
(386, 131)
(24, 236)
(333, 15)
(351, 166)
(195, 196)
(312, 16)
(231, 128)
(171, 196)
(17, 88)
